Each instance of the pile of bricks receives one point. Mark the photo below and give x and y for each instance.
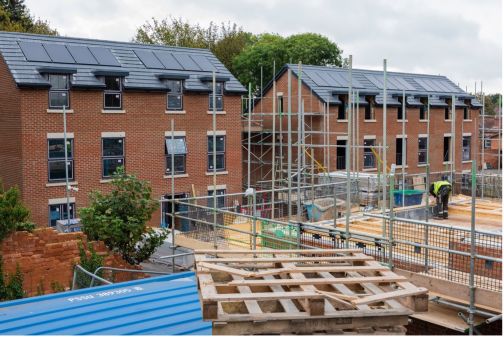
(47, 257)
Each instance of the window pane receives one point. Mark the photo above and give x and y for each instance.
(422, 157)
(221, 143)
(58, 82)
(58, 99)
(220, 161)
(57, 150)
(175, 146)
(174, 87)
(179, 164)
(221, 199)
(110, 166)
(219, 102)
(112, 100)
(174, 102)
(422, 143)
(59, 212)
(113, 147)
(57, 170)
(112, 83)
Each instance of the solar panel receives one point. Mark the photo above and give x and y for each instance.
(148, 59)
(58, 53)
(104, 56)
(81, 54)
(203, 62)
(186, 62)
(330, 82)
(168, 60)
(33, 51)
(425, 84)
(339, 79)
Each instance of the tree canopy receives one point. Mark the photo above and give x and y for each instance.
(15, 17)
(243, 53)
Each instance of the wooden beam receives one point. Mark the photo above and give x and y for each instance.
(322, 268)
(389, 295)
(289, 259)
(276, 251)
(263, 296)
(319, 281)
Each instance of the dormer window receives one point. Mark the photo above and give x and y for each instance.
(219, 94)
(59, 94)
(174, 99)
(112, 96)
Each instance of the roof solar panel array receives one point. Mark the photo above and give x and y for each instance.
(104, 56)
(149, 59)
(186, 61)
(33, 51)
(168, 61)
(58, 53)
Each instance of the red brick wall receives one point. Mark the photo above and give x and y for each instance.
(144, 123)
(10, 129)
(462, 263)
(438, 127)
(45, 256)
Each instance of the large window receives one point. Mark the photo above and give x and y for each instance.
(423, 112)
(221, 199)
(112, 155)
(401, 146)
(60, 212)
(446, 149)
(369, 158)
(112, 96)
(56, 159)
(174, 99)
(400, 116)
(467, 114)
(447, 113)
(369, 112)
(59, 92)
(342, 111)
(422, 150)
(178, 148)
(466, 148)
(220, 150)
(219, 94)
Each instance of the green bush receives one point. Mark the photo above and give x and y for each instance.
(13, 214)
(89, 263)
(119, 218)
(14, 288)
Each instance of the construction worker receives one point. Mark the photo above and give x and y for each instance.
(441, 191)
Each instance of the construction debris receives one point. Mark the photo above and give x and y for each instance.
(333, 291)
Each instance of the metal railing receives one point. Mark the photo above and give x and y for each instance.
(434, 249)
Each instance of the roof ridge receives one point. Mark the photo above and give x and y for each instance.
(70, 38)
(337, 68)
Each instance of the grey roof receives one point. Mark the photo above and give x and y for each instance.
(27, 55)
(327, 81)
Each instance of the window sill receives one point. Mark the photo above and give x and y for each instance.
(175, 112)
(369, 169)
(402, 120)
(216, 112)
(467, 120)
(71, 183)
(217, 173)
(423, 120)
(447, 120)
(106, 181)
(342, 120)
(422, 165)
(466, 161)
(400, 166)
(59, 111)
(185, 175)
(369, 121)
(111, 111)
(447, 163)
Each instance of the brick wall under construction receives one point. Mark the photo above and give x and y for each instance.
(47, 257)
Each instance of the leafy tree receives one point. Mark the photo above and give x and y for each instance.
(15, 17)
(492, 104)
(226, 41)
(309, 48)
(14, 288)
(89, 263)
(13, 214)
(119, 218)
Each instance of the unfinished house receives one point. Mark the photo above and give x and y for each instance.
(120, 100)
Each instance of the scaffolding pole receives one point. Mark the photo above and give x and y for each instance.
(289, 141)
(347, 153)
(453, 141)
(298, 189)
(249, 133)
(273, 155)
(384, 140)
(403, 142)
(214, 159)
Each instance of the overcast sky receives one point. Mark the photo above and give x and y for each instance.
(461, 39)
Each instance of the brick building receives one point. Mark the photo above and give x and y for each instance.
(120, 99)
(326, 89)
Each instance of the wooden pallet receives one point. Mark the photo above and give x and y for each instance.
(303, 292)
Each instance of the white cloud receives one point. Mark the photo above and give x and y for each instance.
(461, 39)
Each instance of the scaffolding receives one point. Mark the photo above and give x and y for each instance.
(295, 200)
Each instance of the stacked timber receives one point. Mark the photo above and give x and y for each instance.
(331, 291)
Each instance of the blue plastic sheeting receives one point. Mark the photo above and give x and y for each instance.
(166, 305)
